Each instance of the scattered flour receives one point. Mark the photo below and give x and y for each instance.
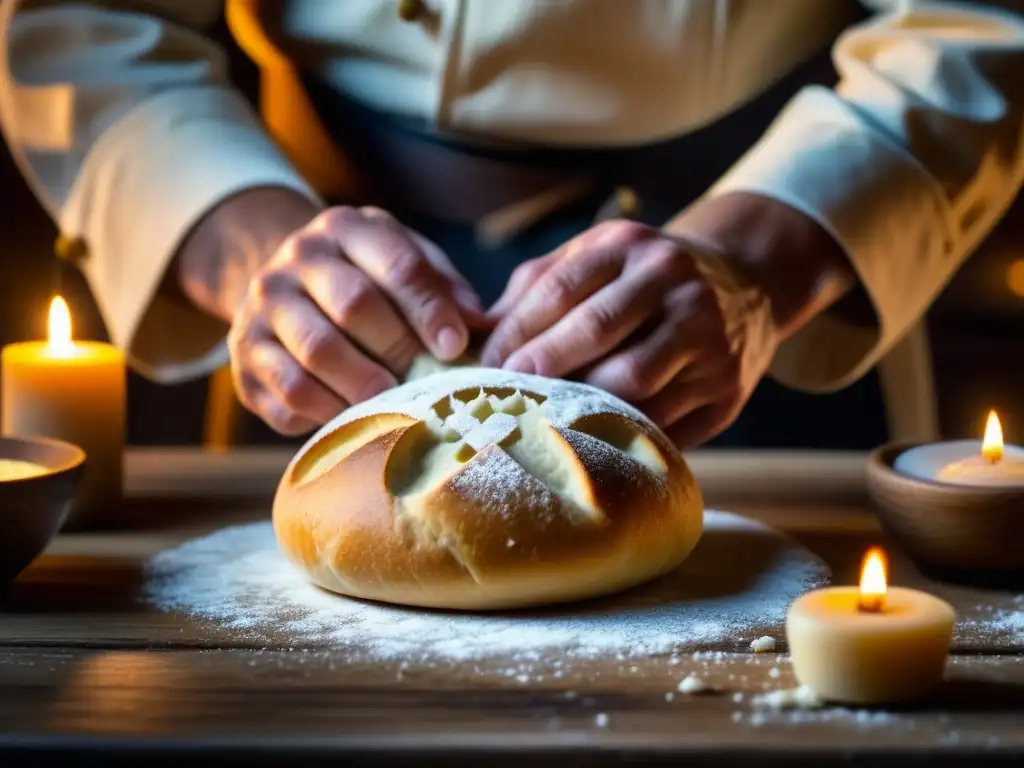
(861, 719)
(764, 644)
(692, 684)
(236, 578)
(791, 698)
(1006, 623)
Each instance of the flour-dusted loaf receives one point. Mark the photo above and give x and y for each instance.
(476, 488)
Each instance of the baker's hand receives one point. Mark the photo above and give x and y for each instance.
(339, 312)
(643, 315)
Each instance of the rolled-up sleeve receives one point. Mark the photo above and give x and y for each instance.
(125, 126)
(909, 163)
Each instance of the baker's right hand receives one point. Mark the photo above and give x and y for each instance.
(339, 312)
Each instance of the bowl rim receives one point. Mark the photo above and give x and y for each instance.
(881, 462)
(76, 460)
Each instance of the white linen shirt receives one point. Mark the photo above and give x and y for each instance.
(121, 117)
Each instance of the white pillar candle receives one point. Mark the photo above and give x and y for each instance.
(72, 391)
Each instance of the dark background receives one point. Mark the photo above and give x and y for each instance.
(977, 329)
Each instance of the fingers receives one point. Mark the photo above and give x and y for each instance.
(565, 284)
(464, 293)
(700, 426)
(592, 329)
(680, 397)
(272, 385)
(322, 351)
(354, 304)
(523, 277)
(386, 253)
(640, 370)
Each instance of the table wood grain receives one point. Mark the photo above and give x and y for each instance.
(89, 672)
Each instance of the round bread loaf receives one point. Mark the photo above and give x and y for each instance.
(477, 488)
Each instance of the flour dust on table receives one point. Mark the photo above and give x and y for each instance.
(736, 586)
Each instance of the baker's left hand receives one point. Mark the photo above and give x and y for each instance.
(645, 315)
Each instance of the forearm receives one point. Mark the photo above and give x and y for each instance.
(222, 253)
(791, 257)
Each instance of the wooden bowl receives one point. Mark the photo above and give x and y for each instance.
(968, 532)
(33, 509)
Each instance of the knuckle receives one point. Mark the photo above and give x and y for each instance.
(408, 271)
(596, 322)
(265, 286)
(316, 345)
(400, 353)
(373, 212)
(294, 389)
(354, 301)
(336, 216)
(559, 288)
(664, 258)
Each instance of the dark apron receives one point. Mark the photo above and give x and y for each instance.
(665, 177)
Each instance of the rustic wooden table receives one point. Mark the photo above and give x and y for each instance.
(88, 673)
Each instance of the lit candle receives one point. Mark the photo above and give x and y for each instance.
(72, 391)
(967, 462)
(870, 644)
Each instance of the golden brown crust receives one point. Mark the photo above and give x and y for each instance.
(552, 512)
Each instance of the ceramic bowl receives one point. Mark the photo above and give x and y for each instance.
(33, 509)
(952, 529)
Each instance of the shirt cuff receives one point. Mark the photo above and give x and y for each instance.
(888, 214)
(144, 185)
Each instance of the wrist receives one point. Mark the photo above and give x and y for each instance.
(224, 250)
(797, 264)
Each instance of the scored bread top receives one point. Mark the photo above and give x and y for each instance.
(477, 487)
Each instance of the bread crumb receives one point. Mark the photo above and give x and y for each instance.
(692, 684)
(737, 716)
(737, 697)
(669, 696)
(601, 720)
(764, 644)
(790, 698)
(774, 672)
(510, 543)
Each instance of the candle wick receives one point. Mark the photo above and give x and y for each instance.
(871, 603)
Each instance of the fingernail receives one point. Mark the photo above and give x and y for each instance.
(449, 342)
(520, 364)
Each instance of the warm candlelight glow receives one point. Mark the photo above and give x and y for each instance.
(992, 445)
(59, 325)
(873, 585)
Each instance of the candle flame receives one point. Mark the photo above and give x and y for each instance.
(992, 445)
(59, 325)
(873, 583)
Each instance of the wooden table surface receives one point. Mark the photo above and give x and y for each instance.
(88, 673)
